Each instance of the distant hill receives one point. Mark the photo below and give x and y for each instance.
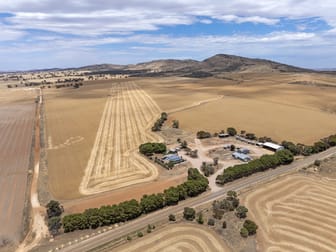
(213, 66)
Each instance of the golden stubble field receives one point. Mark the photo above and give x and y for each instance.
(294, 213)
(93, 137)
(179, 237)
(264, 104)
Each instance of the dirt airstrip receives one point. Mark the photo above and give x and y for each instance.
(294, 213)
(180, 237)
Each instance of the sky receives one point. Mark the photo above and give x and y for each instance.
(37, 34)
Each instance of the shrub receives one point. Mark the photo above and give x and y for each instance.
(140, 234)
(241, 212)
(243, 232)
(250, 226)
(224, 225)
(189, 213)
(211, 222)
(231, 131)
(203, 134)
(172, 217)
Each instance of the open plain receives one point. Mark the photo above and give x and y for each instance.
(294, 213)
(179, 237)
(282, 106)
(17, 114)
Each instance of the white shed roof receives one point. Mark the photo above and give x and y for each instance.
(273, 146)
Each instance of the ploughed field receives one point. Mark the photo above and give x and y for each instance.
(16, 133)
(94, 135)
(295, 213)
(179, 237)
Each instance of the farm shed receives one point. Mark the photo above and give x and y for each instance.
(223, 135)
(241, 156)
(272, 146)
(173, 158)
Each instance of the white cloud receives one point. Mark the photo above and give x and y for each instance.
(251, 19)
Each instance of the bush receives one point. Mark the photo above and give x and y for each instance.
(151, 148)
(231, 131)
(241, 212)
(211, 222)
(224, 225)
(171, 217)
(54, 208)
(189, 213)
(200, 219)
(129, 238)
(317, 163)
(250, 226)
(203, 134)
(244, 232)
(140, 234)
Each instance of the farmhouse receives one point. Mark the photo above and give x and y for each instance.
(241, 156)
(272, 146)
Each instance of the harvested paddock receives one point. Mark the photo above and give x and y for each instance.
(294, 213)
(265, 104)
(16, 133)
(93, 138)
(179, 237)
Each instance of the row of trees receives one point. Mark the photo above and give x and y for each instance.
(265, 162)
(159, 122)
(149, 149)
(54, 212)
(128, 210)
(307, 150)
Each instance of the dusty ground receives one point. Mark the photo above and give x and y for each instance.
(265, 104)
(180, 237)
(17, 111)
(294, 213)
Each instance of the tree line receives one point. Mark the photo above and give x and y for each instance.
(159, 122)
(149, 149)
(128, 210)
(265, 162)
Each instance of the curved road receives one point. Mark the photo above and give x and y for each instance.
(162, 215)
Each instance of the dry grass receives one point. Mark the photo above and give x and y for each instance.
(263, 104)
(17, 113)
(95, 136)
(180, 237)
(295, 213)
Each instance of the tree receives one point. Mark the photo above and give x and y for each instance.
(129, 238)
(200, 219)
(54, 208)
(149, 229)
(211, 222)
(184, 144)
(140, 234)
(243, 232)
(215, 161)
(176, 124)
(172, 217)
(230, 195)
(54, 225)
(231, 131)
(241, 212)
(171, 196)
(232, 147)
(224, 225)
(250, 226)
(189, 213)
(203, 134)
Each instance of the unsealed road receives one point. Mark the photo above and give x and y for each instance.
(161, 215)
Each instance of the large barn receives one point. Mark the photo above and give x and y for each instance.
(272, 146)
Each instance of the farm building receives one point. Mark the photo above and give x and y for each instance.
(244, 150)
(241, 156)
(272, 146)
(172, 158)
(223, 135)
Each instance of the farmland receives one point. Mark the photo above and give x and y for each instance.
(180, 237)
(95, 142)
(295, 213)
(17, 113)
(268, 104)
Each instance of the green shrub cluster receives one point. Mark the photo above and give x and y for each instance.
(265, 162)
(203, 134)
(151, 148)
(307, 150)
(159, 122)
(128, 210)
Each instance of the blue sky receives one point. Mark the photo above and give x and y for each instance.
(49, 33)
